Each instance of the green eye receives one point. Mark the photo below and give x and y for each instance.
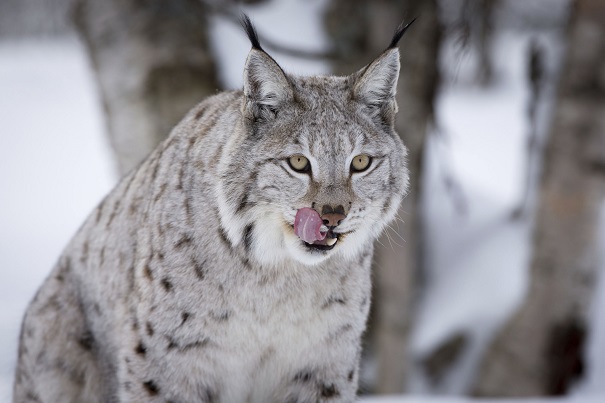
(361, 162)
(299, 163)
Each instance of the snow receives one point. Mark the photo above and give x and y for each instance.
(477, 261)
(458, 399)
(55, 166)
(292, 23)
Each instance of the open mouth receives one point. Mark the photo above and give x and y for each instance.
(328, 243)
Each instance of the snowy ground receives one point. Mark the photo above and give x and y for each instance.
(55, 166)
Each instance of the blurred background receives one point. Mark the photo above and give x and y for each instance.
(491, 282)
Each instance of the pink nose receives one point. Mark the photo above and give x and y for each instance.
(332, 216)
(332, 219)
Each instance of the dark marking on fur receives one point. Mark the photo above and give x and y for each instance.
(129, 184)
(159, 195)
(148, 273)
(222, 316)
(116, 207)
(84, 256)
(208, 395)
(173, 345)
(149, 328)
(351, 375)
(187, 207)
(265, 356)
(140, 349)
(67, 265)
(29, 332)
(99, 211)
(223, 237)
(329, 391)
(200, 112)
(184, 240)
(133, 207)
(264, 280)
(303, 376)
(344, 278)
(102, 256)
(285, 170)
(156, 167)
(86, 340)
(340, 331)
(166, 284)
(246, 263)
(364, 302)
(52, 303)
(184, 317)
(199, 269)
(218, 153)
(190, 143)
(135, 324)
(333, 299)
(386, 206)
(179, 184)
(151, 388)
(248, 237)
(363, 258)
(242, 203)
(168, 143)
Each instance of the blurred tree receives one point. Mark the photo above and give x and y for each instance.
(540, 350)
(34, 18)
(152, 62)
(360, 30)
(536, 80)
(477, 21)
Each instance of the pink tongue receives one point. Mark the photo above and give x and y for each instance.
(307, 224)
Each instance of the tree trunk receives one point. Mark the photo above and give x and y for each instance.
(152, 62)
(540, 350)
(361, 30)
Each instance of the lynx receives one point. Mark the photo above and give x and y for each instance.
(233, 265)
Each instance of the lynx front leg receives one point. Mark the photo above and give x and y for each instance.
(57, 352)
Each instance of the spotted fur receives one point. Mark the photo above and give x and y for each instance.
(188, 284)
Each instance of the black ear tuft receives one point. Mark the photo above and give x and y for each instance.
(250, 31)
(398, 33)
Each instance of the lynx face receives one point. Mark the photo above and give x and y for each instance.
(320, 150)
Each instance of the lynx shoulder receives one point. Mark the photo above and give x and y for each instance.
(234, 264)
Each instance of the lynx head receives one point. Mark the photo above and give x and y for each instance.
(314, 168)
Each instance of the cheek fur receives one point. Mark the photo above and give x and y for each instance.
(276, 183)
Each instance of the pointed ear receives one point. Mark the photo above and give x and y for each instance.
(376, 84)
(266, 87)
